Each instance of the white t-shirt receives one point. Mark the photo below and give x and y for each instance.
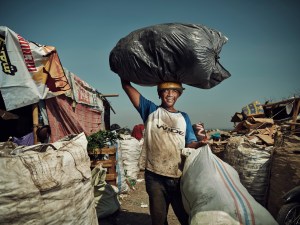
(166, 134)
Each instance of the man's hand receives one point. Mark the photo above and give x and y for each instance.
(200, 131)
(197, 144)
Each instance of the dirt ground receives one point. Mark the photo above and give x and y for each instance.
(135, 208)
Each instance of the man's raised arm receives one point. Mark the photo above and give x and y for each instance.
(132, 93)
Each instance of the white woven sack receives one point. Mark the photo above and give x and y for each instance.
(213, 218)
(252, 162)
(121, 179)
(209, 184)
(131, 151)
(47, 184)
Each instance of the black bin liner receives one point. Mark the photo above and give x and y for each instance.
(186, 53)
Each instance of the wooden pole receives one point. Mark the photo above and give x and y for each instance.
(35, 119)
(281, 102)
(109, 95)
(295, 114)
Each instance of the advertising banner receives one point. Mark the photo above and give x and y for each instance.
(83, 93)
(29, 71)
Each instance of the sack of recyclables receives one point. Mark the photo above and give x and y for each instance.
(213, 194)
(172, 52)
(47, 184)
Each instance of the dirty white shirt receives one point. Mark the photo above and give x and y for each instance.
(166, 134)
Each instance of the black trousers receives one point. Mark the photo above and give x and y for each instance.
(162, 192)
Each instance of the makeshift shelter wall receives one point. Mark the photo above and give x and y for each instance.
(66, 118)
(32, 73)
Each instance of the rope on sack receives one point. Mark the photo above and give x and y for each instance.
(42, 173)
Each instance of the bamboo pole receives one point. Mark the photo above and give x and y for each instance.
(35, 120)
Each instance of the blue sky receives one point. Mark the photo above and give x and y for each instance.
(262, 53)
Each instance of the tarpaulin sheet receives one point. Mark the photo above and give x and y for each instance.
(82, 92)
(29, 71)
(66, 118)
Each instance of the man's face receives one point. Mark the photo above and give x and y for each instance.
(169, 97)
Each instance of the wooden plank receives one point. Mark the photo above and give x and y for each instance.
(104, 163)
(292, 123)
(269, 105)
(111, 176)
(262, 120)
(266, 139)
(8, 115)
(252, 125)
(35, 119)
(101, 151)
(109, 95)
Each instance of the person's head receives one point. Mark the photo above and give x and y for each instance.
(169, 92)
(115, 127)
(43, 133)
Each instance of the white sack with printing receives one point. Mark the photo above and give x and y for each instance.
(211, 190)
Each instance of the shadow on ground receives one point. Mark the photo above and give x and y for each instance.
(126, 218)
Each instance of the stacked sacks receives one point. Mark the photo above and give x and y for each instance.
(185, 53)
(47, 184)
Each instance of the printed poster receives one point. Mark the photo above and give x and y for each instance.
(29, 71)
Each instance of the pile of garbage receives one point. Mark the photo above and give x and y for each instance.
(264, 125)
(263, 148)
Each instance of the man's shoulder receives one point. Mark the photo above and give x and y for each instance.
(146, 107)
(145, 101)
(184, 113)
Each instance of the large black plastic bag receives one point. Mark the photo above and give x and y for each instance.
(186, 53)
